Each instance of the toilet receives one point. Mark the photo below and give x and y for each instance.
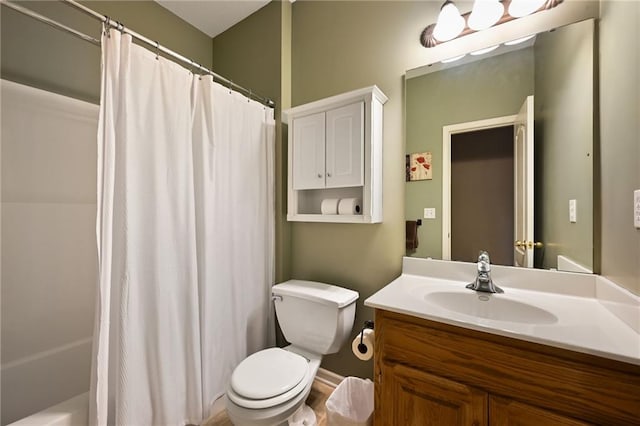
(269, 386)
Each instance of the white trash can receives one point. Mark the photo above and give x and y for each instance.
(351, 403)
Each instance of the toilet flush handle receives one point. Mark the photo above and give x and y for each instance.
(275, 297)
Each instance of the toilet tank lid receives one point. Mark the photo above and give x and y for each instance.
(318, 292)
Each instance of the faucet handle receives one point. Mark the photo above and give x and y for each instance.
(484, 267)
(484, 257)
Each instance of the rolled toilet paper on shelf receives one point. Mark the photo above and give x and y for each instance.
(350, 206)
(329, 206)
(363, 351)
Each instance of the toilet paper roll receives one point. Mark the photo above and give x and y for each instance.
(350, 206)
(363, 351)
(329, 206)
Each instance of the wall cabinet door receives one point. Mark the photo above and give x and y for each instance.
(505, 412)
(309, 152)
(345, 146)
(411, 397)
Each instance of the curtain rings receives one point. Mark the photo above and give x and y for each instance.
(230, 86)
(157, 50)
(249, 98)
(107, 26)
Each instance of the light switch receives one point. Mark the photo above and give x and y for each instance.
(573, 207)
(429, 213)
(636, 208)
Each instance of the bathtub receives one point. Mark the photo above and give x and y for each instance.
(75, 412)
(72, 412)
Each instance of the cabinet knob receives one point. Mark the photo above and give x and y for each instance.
(328, 174)
(319, 175)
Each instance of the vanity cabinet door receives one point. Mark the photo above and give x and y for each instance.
(506, 412)
(345, 146)
(309, 151)
(411, 397)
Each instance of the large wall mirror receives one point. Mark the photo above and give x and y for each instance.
(510, 136)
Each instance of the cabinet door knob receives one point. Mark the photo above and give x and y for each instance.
(319, 175)
(328, 174)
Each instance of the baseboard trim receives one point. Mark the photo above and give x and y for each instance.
(328, 377)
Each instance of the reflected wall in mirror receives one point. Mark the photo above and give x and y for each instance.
(476, 172)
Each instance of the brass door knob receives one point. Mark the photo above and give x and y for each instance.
(531, 244)
(528, 244)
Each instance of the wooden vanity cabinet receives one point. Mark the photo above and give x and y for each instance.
(429, 373)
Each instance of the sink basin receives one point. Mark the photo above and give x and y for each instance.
(489, 306)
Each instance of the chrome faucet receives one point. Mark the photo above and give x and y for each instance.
(483, 281)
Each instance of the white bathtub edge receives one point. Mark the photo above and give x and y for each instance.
(72, 412)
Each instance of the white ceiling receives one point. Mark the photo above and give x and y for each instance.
(213, 16)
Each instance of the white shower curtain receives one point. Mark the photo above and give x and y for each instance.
(185, 232)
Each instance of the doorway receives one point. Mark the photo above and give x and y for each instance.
(482, 196)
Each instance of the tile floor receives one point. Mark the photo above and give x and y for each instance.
(316, 400)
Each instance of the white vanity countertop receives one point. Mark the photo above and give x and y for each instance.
(579, 318)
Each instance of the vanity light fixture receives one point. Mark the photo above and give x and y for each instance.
(450, 24)
(485, 14)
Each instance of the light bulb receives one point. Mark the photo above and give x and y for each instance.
(485, 50)
(455, 58)
(519, 40)
(485, 13)
(450, 24)
(520, 8)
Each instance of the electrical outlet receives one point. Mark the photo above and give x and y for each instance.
(573, 214)
(429, 213)
(636, 208)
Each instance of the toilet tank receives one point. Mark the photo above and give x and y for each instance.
(315, 316)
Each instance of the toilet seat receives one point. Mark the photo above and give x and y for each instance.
(268, 378)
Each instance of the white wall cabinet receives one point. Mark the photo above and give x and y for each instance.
(335, 151)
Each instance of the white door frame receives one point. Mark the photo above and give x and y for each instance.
(447, 133)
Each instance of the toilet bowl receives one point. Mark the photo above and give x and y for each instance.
(269, 386)
(273, 409)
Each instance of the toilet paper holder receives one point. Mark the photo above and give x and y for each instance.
(362, 348)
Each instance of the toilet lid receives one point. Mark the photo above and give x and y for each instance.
(268, 373)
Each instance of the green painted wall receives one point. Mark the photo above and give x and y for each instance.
(255, 53)
(619, 60)
(564, 99)
(493, 87)
(38, 55)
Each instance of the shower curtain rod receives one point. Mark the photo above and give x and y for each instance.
(120, 27)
